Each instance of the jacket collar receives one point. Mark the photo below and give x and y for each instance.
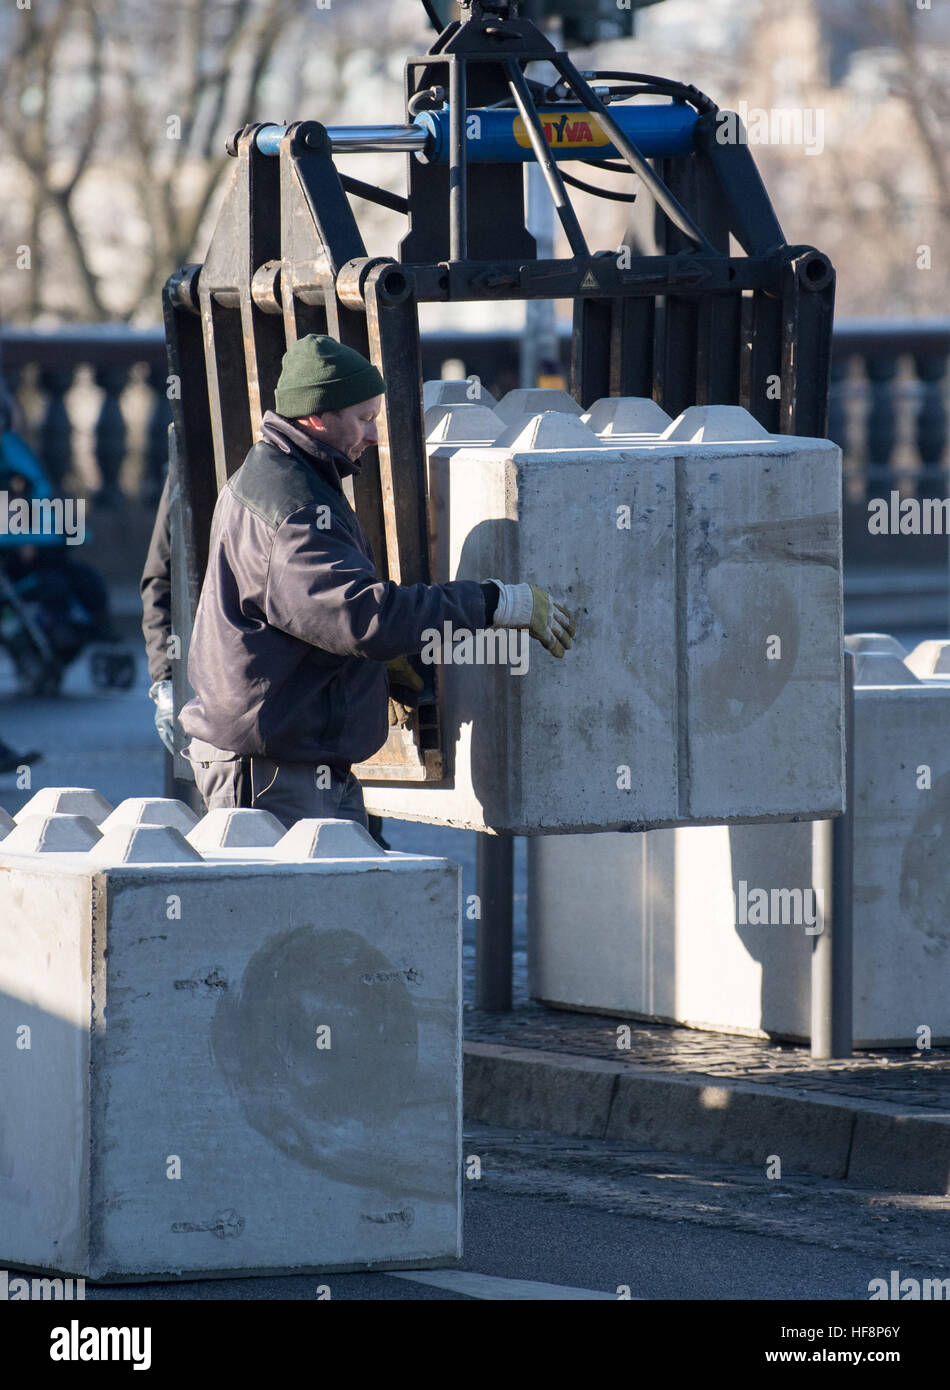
(293, 439)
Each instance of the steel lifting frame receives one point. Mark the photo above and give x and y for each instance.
(691, 325)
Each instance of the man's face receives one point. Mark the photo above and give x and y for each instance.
(350, 430)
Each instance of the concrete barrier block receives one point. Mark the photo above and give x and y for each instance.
(54, 833)
(759, 603)
(70, 801)
(713, 424)
(236, 828)
(614, 417)
(705, 684)
(532, 742)
(528, 401)
(456, 391)
(151, 810)
(228, 1066)
(714, 926)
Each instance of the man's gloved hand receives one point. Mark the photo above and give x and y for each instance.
(527, 605)
(161, 693)
(403, 681)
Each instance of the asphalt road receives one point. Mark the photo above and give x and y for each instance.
(549, 1218)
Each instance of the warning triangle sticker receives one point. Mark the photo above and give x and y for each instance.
(589, 283)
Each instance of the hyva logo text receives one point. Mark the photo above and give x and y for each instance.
(779, 907)
(488, 646)
(43, 516)
(790, 125)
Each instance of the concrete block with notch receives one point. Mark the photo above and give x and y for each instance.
(705, 684)
(226, 1060)
(653, 926)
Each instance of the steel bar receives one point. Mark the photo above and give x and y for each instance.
(494, 886)
(832, 968)
(542, 152)
(354, 139)
(674, 211)
(458, 163)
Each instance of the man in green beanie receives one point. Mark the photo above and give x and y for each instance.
(294, 627)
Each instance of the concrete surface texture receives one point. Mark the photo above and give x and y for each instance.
(226, 1064)
(705, 684)
(714, 926)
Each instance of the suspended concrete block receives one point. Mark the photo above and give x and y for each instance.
(456, 391)
(548, 430)
(54, 833)
(714, 424)
(705, 683)
(714, 926)
(531, 400)
(70, 801)
(151, 810)
(223, 1066)
(462, 424)
(613, 417)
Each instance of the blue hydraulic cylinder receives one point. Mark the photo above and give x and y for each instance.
(499, 136)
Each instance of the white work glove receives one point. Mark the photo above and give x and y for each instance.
(526, 605)
(161, 693)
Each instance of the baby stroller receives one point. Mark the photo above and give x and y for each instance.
(51, 607)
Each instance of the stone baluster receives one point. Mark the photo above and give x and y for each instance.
(110, 433)
(932, 426)
(881, 425)
(56, 431)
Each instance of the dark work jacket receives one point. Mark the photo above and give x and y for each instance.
(156, 591)
(294, 627)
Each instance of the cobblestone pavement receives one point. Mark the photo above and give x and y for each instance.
(916, 1080)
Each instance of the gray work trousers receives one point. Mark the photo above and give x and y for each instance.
(290, 791)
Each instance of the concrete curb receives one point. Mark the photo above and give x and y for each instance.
(874, 1144)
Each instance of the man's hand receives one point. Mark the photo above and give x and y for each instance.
(161, 693)
(527, 605)
(403, 680)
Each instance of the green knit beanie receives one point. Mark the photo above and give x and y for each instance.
(318, 374)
